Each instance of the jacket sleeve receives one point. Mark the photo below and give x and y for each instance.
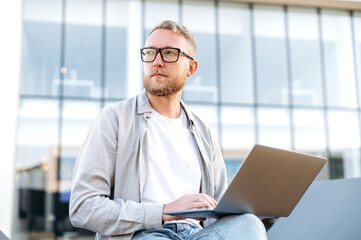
(90, 204)
(219, 172)
(219, 176)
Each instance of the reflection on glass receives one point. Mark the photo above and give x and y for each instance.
(109, 103)
(36, 147)
(83, 48)
(38, 129)
(357, 31)
(238, 132)
(309, 134)
(238, 136)
(77, 119)
(269, 29)
(309, 127)
(305, 57)
(41, 47)
(135, 41)
(116, 51)
(232, 166)
(157, 11)
(274, 127)
(339, 60)
(202, 86)
(235, 53)
(208, 114)
(344, 140)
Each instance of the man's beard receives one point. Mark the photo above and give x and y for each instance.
(166, 86)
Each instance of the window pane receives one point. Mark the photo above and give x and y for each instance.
(135, 42)
(37, 144)
(339, 61)
(235, 53)
(41, 47)
(116, 64)
(232, 166)
(310, 137)
(357, 30)
(344, 138)
(38, 130)
(157, 11)
(202, 86)
(109, 103)
(208, 114)
(274, 127)
(305, 57)
(77, 118)
(83, 48)
(238, 136)
(309, 126)
(269, 27)
(238, 132)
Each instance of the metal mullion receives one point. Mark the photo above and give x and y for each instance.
(103, 54)
(263, 105)
(254, 66)
(323, 75)
(143, 33)
(352, 19)
(218, 74)
(290, 77)
(26, 96)
(143, 21)
(180, 11)
(60, 117)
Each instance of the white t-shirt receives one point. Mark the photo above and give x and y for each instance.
(174, 161)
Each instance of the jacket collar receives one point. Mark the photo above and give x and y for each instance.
(188, 113)
(144, 107)
(143, 103)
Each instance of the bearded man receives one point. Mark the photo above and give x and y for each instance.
(150, 154)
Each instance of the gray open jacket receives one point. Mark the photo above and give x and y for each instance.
(111, 170)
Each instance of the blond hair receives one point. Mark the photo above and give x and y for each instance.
(180, 30)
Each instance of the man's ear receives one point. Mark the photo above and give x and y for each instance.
(193, 66)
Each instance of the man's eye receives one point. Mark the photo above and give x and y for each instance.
(149, 53)
(169, 52)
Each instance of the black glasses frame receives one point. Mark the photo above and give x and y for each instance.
(159, 50)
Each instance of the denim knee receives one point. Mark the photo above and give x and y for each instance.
(247, 225)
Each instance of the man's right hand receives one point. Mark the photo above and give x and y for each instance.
(188, 201)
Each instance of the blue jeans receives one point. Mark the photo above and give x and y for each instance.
(246, 226)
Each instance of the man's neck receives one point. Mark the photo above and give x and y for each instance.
(168, 106)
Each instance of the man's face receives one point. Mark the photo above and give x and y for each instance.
(163, 78)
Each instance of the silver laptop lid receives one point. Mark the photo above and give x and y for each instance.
(270, 182)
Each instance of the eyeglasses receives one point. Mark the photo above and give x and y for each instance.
(168, 54)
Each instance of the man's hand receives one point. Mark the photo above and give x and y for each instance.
(188, 201)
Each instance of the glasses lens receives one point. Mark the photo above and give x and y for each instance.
(170, 54)
(148, 54)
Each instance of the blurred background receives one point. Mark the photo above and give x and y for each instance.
(281, 73)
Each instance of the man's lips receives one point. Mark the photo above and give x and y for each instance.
(158, 75)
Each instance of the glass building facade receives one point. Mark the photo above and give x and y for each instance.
(282, 76)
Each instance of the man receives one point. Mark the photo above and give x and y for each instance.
(150, 154)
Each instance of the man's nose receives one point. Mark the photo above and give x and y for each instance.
(158, 61)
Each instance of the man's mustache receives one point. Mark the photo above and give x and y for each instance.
(158, 71)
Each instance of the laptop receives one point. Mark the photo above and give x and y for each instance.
(269, 184)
